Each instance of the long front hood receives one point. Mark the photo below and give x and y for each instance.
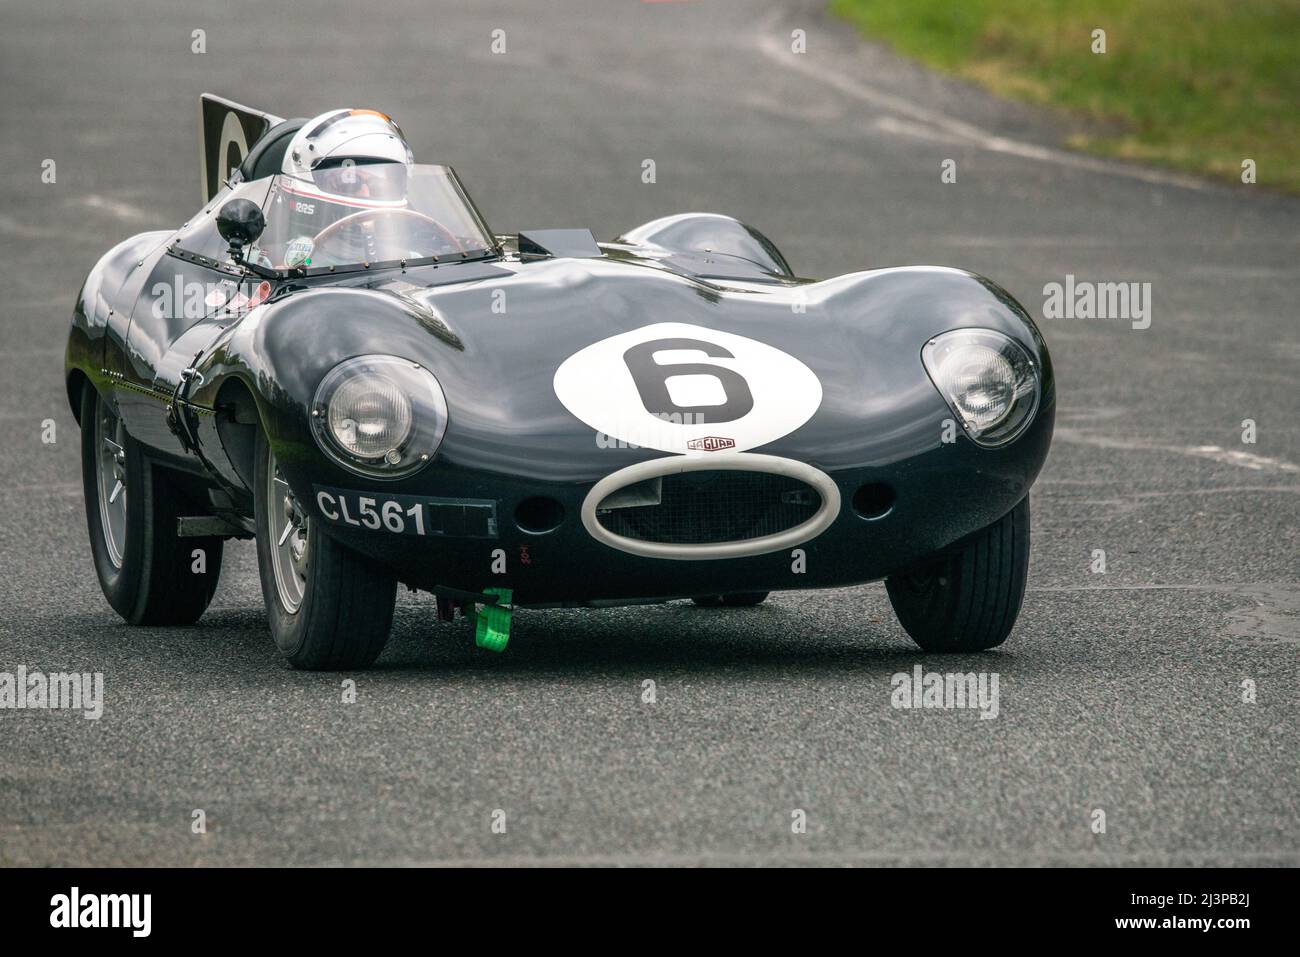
(496, 344)
(858, 337)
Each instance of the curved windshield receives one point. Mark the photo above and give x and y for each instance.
(351, 214)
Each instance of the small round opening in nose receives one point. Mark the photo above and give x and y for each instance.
(539, 515)
(873, 500)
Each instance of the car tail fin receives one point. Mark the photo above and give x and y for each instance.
(227, 131)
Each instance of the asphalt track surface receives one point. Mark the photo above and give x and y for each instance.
(1119, 691)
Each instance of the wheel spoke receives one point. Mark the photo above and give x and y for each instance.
(111, 483)
(289, 553)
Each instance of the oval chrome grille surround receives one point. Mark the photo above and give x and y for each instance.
(787, 492)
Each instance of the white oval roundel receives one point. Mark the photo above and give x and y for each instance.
(683, 388)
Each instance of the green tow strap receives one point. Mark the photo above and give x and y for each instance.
(492, 629)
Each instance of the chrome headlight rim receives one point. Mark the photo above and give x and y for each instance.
(1025, 368)
(426, 416)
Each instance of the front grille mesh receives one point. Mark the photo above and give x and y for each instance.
(720, 505)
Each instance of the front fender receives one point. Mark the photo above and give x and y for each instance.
(879, 405)
(280, 351)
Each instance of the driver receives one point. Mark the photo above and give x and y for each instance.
(336, 165)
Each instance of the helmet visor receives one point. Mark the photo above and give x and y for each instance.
(359, 180)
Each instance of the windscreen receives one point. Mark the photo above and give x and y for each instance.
(357, 213)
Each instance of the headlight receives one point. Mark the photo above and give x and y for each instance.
(988, 380)
(379, 415)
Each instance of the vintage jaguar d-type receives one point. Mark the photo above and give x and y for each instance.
(337, 357)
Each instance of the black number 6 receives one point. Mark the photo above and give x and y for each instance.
(651, 380)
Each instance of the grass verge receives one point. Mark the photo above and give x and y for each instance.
(1197, 85)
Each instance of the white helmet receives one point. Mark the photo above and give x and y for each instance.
(365, 136)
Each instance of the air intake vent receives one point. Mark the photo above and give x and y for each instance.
(705, 507)
(710, 506)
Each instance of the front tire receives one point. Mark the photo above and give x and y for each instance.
(967, 599)
(329, 609)
(149, 574)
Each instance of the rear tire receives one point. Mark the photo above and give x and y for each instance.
(967, 599)
(329, 609)
(740, 599)
(147, 572)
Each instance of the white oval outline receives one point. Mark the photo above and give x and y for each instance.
(776, 378)
(744, 461)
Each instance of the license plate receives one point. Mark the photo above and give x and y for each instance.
(408, 514)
